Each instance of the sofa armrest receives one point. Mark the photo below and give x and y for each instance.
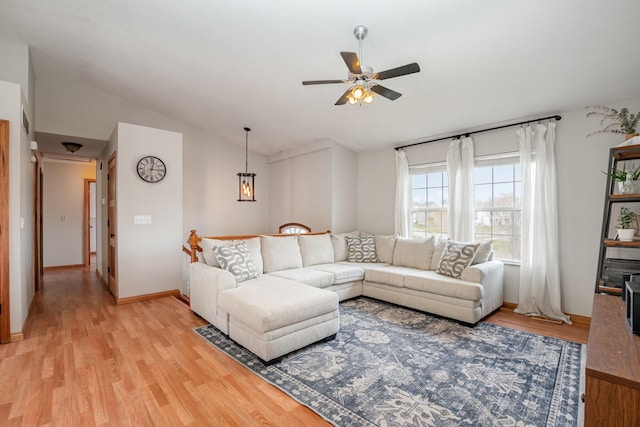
(490, 275)
(206, 283)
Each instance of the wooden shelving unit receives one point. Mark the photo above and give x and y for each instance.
(616, 155)
(612, 393)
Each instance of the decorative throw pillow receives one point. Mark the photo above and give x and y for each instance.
(456, 257)
(361, 249)
(340, 245)
(207, 246)
(236, 260)
(483, 254)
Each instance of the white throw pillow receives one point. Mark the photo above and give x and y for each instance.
(437, 253)
(315, 249)
(280, 253)
(484, 252)
(207, 246)
(340, 245)
(236, 260)
(384, 248)
(361, 249)
(416, 253)
(256, 255)
(456, 257)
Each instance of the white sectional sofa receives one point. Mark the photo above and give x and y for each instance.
(277, 293)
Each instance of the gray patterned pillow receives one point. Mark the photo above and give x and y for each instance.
(456, 257)
(236, 260)
(361, 249)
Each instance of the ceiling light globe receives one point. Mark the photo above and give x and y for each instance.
(352, 101)
(358, 92)
(369, 98)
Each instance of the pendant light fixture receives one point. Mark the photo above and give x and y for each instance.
(246, 184)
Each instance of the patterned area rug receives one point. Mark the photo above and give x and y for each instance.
(392, 366)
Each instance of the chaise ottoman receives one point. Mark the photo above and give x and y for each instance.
(274, 316)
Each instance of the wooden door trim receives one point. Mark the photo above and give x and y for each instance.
(5, 318)
(86, 235)
(112, 226)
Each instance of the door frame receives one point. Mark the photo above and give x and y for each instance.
(86, 237)
(112, 226)
(5, 318)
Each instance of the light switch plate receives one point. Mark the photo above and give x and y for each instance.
(142, 219)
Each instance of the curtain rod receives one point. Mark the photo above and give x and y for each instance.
(554, 117)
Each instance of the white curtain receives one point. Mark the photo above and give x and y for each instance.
(403, 183)
(539, 271)
(461, 189)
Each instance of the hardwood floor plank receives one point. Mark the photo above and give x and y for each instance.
(86, 361)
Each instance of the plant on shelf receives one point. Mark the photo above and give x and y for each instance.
(625, 224)
(632, 173)
(621, 120)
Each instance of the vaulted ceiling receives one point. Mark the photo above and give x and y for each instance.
(222, 65)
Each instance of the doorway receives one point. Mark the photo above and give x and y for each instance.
(89, 235)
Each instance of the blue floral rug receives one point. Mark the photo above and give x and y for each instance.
(392, 366)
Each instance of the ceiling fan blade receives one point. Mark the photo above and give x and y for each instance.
(352, 61)
(321, 82)
(343, 99)
(397, 72)
(386, 92)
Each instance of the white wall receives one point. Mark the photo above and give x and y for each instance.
(16, 94)
(314, 185)
(581, 190)
(63, 211)
(149, 258)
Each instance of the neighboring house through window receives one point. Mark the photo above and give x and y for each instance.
(498, 202)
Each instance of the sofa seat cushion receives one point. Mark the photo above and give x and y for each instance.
(342, 273)
(282, 303)
(308, 276)
(388, 275)
(432, 282)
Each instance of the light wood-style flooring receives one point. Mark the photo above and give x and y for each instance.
(88, 362)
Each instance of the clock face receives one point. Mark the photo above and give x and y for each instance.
(151, 169)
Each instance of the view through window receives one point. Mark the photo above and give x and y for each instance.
(498, 203)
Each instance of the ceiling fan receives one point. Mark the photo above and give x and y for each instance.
(364, 80)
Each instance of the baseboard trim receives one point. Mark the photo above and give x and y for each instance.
(16, 337)
(147, 297)
(63, 267)
(576, 319)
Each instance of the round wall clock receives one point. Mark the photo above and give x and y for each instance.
(151, 169)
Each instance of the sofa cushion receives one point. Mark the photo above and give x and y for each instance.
(269, 303)
(207, 246)
(236, 260)
(342, 273)
(390, 275)
(384, 247)
(315, 249)
(456, 257)
(280, 253)
(415, 253)
(432, 282)
(361, 249)
(484, 252)
(437, 253)
(339, 243)
(308, 276)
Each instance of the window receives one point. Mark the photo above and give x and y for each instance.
(498, 202)
(430, 204)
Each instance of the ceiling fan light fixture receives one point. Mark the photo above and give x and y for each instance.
(368, 99)
(358, 92)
